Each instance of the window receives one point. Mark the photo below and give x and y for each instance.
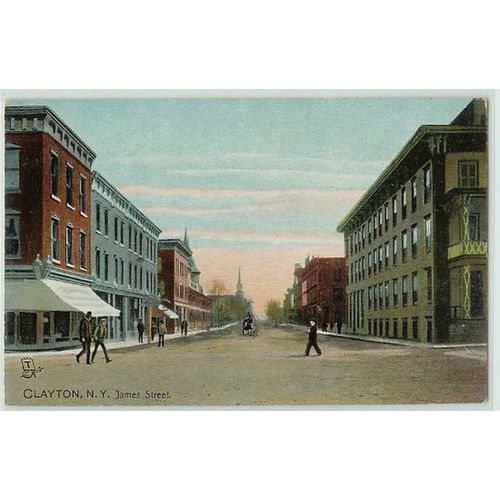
(69, 185)
(386, 293)
(140, 244)
(414, 328)
(380, 222)
(395, 250)
(130, 236)
(83, 195)
(106, 267)
(380, 296)
(468, 174)
(98, 263)
(370, 230)
(404, 323)
(12, 237)
(363, 236)
(369, 263)
(98, 217)
(117, 229)
(428, 233)
(394, 210)
(473, 227)
(122, 230)
(404, 287)
(54, 174)
(414, 288)
(369, 297)
(386, 247)
(117, 273)
(476, 293)
(135, 276)
(428, 272)
(338, 274)
(54, 239)
(12, 168)
(375, 327)
(106, 222)
(130, 273)
(386, 327)
(369, 327)
(394, 327)
(404, 203)
(427, 184)
(380, 258)
(122, 278)
(141, 278)
(69, 245)
(404, 245)
(375, 227)
(363, 266)
(83, 250)
(414, 240)
(395, 292)
(413, 194)
(135, 240)
(386, 216)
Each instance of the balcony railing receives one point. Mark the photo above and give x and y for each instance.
(465, 248)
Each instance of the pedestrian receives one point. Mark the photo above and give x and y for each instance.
(100, 333)
(339, 326)
(161, 334)
(185, 327)
(140, 330)
(85, 332)
(331, 325)
(313, 339)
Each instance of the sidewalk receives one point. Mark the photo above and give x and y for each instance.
(122, 344)
(390, 341)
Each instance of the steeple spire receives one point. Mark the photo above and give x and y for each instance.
(239, 285)
(186, 239)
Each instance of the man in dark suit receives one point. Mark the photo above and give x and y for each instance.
(140, 330)
(85, 336)
(313, 339)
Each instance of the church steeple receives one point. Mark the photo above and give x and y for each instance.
(239, 285)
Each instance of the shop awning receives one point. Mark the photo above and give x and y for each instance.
(168, 312)
(51, 295)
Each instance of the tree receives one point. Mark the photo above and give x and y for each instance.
(218, 288)
(274, 311)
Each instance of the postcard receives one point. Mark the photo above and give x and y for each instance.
(239, 251)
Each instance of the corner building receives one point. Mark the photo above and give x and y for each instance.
(416, 243)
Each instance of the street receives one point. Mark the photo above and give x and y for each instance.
(226, 368)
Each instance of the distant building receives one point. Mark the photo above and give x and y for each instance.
(47, 231)
(416, 243)
(291, 301)
(321, 291)
(179, 285)
(124, 264)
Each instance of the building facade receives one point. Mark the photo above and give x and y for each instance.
(179, 285)
(416, 242)
(47, 226)
(321, 288)
(124, 258)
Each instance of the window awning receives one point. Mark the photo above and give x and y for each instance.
(51, 295)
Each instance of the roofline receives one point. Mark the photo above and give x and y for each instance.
(172, 243)
(27, 110)
(417, 136)
(97, 175)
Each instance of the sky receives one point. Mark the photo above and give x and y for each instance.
(259, 183)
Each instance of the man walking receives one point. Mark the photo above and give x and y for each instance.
(185, 328)
(101, 332)
(140, 330)
(85, 332)
(161, 334)
(313, 339)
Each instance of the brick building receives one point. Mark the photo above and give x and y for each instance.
(179, 286)
(47, 229)
(321, 287)
(416, 242)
